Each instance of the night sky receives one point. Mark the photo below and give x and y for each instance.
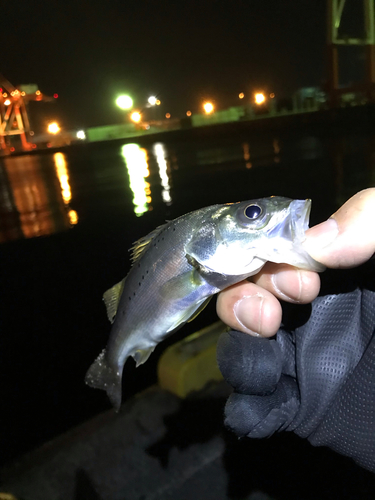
(89, 51)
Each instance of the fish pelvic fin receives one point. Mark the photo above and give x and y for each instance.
(101, 375)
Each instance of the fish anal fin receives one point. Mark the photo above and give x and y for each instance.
(142, 355)
(112, 298)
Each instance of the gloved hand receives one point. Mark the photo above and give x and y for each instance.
(317, 378)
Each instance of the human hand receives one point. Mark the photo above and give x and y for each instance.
(346, 239)
(316, 379)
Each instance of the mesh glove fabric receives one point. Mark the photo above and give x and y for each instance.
(317, 378)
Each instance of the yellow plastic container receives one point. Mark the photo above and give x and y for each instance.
(190, 364)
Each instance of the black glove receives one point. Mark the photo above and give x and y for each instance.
(316, 379)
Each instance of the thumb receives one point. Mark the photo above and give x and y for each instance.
(347, 238)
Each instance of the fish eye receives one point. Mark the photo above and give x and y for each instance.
(253, 211)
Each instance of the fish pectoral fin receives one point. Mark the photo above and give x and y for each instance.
(213, 278)
(181, 286)
(200, 309)
(189, 314)
(112, 298)
(142, 355)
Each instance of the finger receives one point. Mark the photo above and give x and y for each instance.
(249, 308)
(288, 283)
(250, 365)
(261, 416)
(347, 238)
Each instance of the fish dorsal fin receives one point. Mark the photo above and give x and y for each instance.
(140, 246)
(112, 298)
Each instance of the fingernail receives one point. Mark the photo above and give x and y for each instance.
(284, 283)
(248, 311)
(319, 237)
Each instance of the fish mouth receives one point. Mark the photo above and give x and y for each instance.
(298, 225)
(299, 220)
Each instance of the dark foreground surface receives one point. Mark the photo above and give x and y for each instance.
(162, 448)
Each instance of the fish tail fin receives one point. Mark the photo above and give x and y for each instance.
(101, 375)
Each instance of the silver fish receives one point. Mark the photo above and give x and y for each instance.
(179, 266)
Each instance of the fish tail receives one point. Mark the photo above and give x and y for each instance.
(101, 375)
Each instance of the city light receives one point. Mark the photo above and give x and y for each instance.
(53, 128)
(81, 134)
(259, 98)
(208, 107)
(152, 100)
(7, 102)
(188, 113)
(168, 115)
(136, 117)
(124, 102)
(55, 96)
(158, 102)
(241, 95)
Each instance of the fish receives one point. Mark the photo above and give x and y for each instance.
(181, 265)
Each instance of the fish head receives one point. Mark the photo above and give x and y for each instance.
(239, 238)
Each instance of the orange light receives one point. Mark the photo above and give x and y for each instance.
(259, 98)
(241, 95)
(188, 113)
(136, 117)
(5, 94)
(158, 102)
(7, 102)
(208, 107)
(53, 128)
(73, 217)
(12, 149)
(38, 92)
(23, 93)
(272, 95)
(33, 146)
(168, 115)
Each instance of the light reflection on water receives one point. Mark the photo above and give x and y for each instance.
(136, 161)
(63, 176)
(32, 203)
(44, 194)
(161, 156)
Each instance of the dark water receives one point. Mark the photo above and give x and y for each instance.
(67, 221)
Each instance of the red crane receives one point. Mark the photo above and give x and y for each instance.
(13, 113)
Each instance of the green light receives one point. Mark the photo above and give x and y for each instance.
(124, 102)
